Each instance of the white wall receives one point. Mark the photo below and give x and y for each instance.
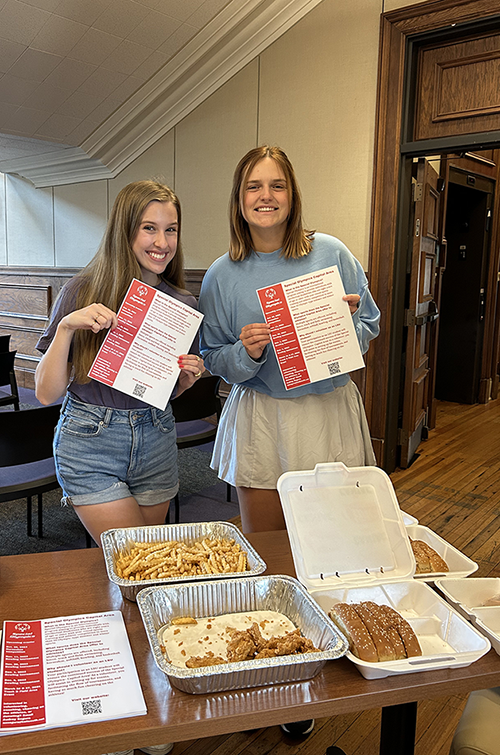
(313, 92)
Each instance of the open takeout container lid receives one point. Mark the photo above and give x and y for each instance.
(345, 526)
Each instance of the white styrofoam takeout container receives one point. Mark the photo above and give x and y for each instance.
(409, 519)
(446, 639)
(349, 543)
(459, 564)
(468, 596)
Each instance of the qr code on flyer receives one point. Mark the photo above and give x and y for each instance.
(139, 390)
(333, 368)
(90, 707)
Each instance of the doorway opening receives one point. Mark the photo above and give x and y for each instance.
(463, 291)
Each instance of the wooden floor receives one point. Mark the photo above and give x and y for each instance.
(454, 488)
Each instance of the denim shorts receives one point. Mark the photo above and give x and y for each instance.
(104, 455)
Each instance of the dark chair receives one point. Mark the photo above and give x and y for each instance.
(8, 377)
(4, 343)
(26, 460)
(200, 402)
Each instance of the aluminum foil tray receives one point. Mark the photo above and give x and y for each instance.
(122, 539)
(159, 605)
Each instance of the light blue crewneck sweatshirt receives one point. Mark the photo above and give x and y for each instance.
(228, 299)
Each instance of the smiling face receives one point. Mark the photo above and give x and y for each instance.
(155, 242)
(265, 204)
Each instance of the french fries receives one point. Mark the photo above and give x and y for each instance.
(178, 559)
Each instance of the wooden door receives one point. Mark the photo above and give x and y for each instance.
(421, 310)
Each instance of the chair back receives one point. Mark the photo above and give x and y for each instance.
(6, 366)
(4, 343)
(199, 401)
(26, 436)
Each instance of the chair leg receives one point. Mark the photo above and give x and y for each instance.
(88, 540)
(28, 515)
(228, 492)
(40, 515)
(177, 505)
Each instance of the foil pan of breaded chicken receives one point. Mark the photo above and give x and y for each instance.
(235, 633)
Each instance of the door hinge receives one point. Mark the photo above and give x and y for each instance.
(417, 227)
(402, 436)
(417, 192)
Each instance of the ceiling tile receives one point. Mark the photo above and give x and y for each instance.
(43, 4)
(178, 39)
(207, 12)
(81, 132)
(6, 111)
(25, 120)
(127, 57)
(103, 82)
(9, 53)
(120, 17)
(46, 97)
(151, 65)
(14, 90)
(95, 46)
(153, 30)
(21, 23)
(126, 89)
(35, 64)
(104, 110)
(70, 74)
(84, 11)
(59, 35)
(80, 104)
(153, 4)
(13, 146)
(180, 9)
(57, 126)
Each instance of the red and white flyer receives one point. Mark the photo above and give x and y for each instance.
(311, 327)
(139, 357)
(67, 670)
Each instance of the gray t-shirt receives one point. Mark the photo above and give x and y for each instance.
(95, 392)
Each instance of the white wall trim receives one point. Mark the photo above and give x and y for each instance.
(235, 37)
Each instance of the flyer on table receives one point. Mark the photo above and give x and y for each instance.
(67, 670)
(311, 327)
(139, 357)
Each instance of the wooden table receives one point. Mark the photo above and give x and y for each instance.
(72, 582)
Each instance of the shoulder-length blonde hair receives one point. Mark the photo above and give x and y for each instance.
(297, 241)
(108, 275)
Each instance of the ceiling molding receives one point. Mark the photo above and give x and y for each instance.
(222, 48)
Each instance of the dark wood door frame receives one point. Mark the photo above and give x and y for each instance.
(401, 31)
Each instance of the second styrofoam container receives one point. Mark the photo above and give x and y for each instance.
(469, 596)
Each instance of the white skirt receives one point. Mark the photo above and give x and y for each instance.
(260, 437)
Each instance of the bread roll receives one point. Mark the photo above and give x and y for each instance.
(389, 628)
(360, 642)
(428, 560)
(381, 640)
(376, 633)
(408, 636)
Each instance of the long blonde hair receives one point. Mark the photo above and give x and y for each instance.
(108, 275)
(297, 241)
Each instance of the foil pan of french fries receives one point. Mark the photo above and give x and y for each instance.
(138, 557)
(161, 606)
